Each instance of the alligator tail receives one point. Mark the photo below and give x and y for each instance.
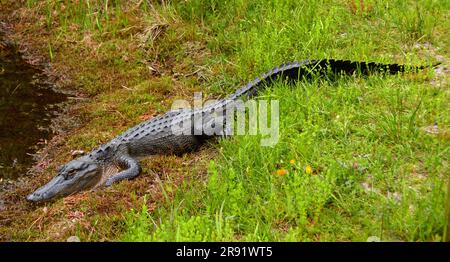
(304, 69)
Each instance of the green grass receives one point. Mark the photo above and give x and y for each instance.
(366, 132)
(375, 171)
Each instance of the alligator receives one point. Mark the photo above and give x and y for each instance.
(119, 158)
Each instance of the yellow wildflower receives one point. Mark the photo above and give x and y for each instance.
(292, 161)
(308, 170)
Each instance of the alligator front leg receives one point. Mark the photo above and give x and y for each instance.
(133, 169)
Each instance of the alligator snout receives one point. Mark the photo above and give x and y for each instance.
(54, 187)
(78, 175)
(33, 197)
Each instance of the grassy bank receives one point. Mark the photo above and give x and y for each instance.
(358, 156)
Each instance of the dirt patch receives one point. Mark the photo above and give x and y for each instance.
(442, 67)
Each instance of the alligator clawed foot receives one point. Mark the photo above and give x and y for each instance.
(132, 171)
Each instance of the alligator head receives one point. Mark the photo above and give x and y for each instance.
(77, 175)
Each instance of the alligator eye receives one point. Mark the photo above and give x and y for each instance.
(69, 173)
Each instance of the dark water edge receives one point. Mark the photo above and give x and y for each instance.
(27, 106)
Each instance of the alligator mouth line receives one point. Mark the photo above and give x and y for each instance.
(48, 191)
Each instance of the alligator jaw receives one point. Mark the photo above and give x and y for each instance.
(60, 187)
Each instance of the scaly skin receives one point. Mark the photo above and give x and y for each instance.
(157, 136)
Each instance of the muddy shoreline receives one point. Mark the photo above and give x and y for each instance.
(29, 103)
(65, 120)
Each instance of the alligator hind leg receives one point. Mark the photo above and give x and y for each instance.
(133, 169)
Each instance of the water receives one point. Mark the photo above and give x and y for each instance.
(27, 106)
